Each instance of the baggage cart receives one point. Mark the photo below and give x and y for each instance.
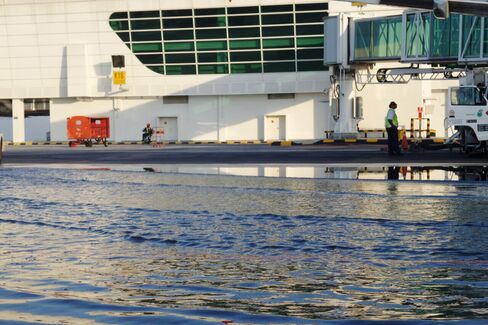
(88, 130)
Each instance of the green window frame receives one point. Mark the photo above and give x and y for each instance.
(146, 36)
(147, 47)
(278, 19)
(281, 55)
(211, 45)
(212, 57)
(281, 66)
(246, 68)
(247, 32)
(211, 21)
(151, 58)
(145, 24)
(245, 56)
(180, 69)
(310, 41)
(119, 24)
(278, 31)
(177, 35)
(213, 69)
(179, 46)
(245, 44)
(176, 23)
(278, 43)
(180, 58)
(211, 33)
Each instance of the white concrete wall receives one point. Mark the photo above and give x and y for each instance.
(206, 118)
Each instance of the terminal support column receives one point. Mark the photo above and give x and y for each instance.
(18, 120)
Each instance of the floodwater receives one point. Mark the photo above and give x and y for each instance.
(115, 247)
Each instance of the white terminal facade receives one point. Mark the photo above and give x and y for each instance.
(204, 70)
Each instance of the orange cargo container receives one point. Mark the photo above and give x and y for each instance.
(88, 130)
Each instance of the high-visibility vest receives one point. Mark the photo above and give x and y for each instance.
(394, 119)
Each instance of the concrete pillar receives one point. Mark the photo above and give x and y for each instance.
(346, 126)
(18, 123)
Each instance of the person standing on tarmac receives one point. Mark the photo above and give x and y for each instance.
(391, 125)
(147, 133)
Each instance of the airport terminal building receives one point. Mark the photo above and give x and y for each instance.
(212, 70)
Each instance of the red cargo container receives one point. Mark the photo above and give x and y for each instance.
(88, 130)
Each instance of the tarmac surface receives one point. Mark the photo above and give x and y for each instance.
(357, 154)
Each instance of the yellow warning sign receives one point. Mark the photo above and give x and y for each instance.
(119, 77)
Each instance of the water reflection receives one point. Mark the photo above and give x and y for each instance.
(133, 247)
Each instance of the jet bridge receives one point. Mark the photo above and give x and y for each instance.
(354, 45)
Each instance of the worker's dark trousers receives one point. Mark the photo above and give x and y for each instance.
(393, 148)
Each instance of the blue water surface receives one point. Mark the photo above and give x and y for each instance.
(121, 247)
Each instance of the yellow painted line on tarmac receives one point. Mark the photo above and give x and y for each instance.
(372, 140)
(328, 141)
(350, 140)
(438, 140)
(286, 143)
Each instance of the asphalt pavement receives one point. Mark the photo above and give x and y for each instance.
(358, 154)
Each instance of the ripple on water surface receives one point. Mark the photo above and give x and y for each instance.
(128, 247)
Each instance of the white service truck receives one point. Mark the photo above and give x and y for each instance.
(468, 112)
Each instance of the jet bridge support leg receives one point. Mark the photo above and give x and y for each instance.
(346, 124)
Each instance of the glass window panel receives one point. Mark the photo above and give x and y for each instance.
(212, 57)
(472, 40)
(311, 6)
(119, 25)
(441, 40)
(468, 96)
(243, 20)
(311, 65)
(151, 58)
(180, 69)
(146, 36)
(246, 68)
(310, 41)
(147, 47)
(178, 23)
(242, 10)
(307, 54)
(180, 58)
(362, 46)
(118, 15)
(380, 37)
(211, 22)
(394, 47)
(245, 56)
(310, 29)
(279, 55)
(124, 36)
(177, 13)
(145, 24)
(209, 11)
(211, 33)
(144, 14)
(213, 69)
(244, 32)
(245, 44)
(279, 31)
(485, 41)
(279, 66)
(179, 47)
(418, 36)
(278, 42)
(311, 17)
(455, 22)
(212, 45)
(277, 8)
(175, 35)
(157, 69)
(277, 19)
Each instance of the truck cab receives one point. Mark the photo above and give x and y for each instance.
(468, 115)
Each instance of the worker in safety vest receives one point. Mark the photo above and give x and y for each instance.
(391, 125)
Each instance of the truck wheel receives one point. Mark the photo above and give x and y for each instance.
(89, 143)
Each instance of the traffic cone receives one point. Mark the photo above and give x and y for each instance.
(404, 141)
